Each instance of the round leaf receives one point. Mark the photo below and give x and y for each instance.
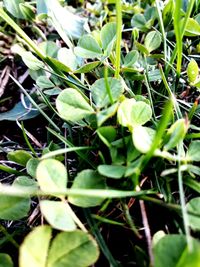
(34, 249)
(112, 171)
(142, 138)
(124, 112)
(140, 113)
(108, 36)
(67, 57)
(88, 47)
(192, 71)
(44, 82)
(13, 208)
(152, 41)
(172, 250)
(5, 260)
(73, 249)
(87, 179)
(100, 94)
(131, 58)
(194, 206)
(193, 152)
(192, 28)
(72, 106)
(176, 133)
(51, 175)
(31, 166)
(55, 212)
(19, 156)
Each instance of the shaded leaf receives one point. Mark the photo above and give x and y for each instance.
(31, 166)
(193, 152)
(5, 260)
(87, 179)
(172, 251)
(194, 206)
(13, 208)
(19, 112)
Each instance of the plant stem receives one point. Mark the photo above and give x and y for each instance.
(162, 29)
(119, 38)
(177, 29)
(73, 215)
(182, 200)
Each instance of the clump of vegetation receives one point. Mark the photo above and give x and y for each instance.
(100, 133)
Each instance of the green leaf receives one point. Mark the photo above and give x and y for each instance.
(19, 112)
(192, 71)
(124, 112)
(25, 181)
(193, 153)
(100, 94)
(34, 249)
(43, 82)
(56, 214)
(5, 260)
(13, 208)
(168, 12)
(107, 134)
(72, 106)
(176, 133)
(31, 61)
(87, 179)
(88, 47)
(20, 157)
(142, 48)
(143, 138)
(194, 206)
(27, 11)
(49, 48)
(73, 249)
(41, 7)
(51, 175)
(139, 21)
(140, 113)
(131, 58)
(31, 166)
(108, 36)
(67, 24)
(152, 41)
(105, 114)
(13, 7)
(87, 67)
(172, 251)
(192, 28)
(68, 58)
(112, 171)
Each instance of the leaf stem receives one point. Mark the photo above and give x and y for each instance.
(119, 38)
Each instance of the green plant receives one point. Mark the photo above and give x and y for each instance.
(117, 133)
